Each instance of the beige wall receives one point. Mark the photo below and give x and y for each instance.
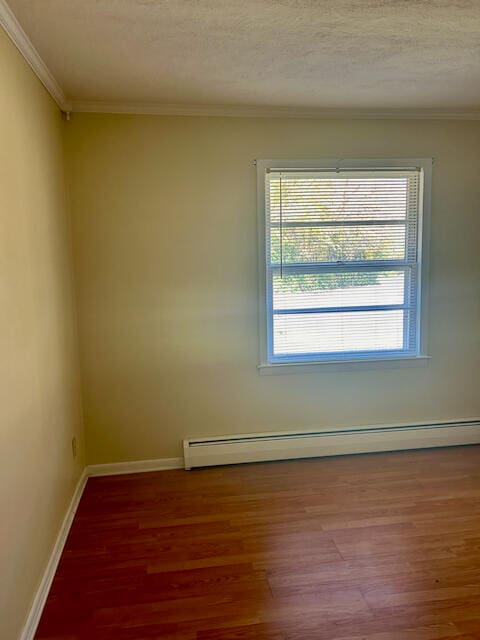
(164, 217)
(39, 390)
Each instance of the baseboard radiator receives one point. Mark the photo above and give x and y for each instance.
(287, 445)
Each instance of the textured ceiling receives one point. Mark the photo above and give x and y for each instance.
(299, 53)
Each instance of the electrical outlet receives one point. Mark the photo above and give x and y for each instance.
(74, 447)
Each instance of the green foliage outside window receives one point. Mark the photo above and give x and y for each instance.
(304, 244)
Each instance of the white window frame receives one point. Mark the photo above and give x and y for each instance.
(420, 356)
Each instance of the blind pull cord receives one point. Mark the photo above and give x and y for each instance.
(281, 230)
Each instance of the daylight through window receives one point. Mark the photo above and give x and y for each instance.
(342, 258)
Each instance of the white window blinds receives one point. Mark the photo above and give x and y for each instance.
(342, 263)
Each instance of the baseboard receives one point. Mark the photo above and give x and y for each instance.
(287, 445)
(135, 466)
(36, 609)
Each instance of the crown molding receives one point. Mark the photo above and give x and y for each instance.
(23, 43)
(81, 106)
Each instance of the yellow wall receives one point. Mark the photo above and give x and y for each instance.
(39, 390)
(165, 241)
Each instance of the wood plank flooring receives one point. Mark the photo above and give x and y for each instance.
(373, 547)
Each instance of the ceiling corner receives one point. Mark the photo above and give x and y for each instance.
(23, 43)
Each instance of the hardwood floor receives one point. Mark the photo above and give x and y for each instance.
(374, 547)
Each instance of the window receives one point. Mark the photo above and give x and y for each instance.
(343, 260)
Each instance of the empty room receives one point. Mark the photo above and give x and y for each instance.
(239, 320)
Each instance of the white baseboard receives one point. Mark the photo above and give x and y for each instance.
(135, 466)
(33, 618)
(287, 445)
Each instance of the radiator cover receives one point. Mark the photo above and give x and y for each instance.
(287, 445)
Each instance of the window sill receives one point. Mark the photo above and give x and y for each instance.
(392, 362)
